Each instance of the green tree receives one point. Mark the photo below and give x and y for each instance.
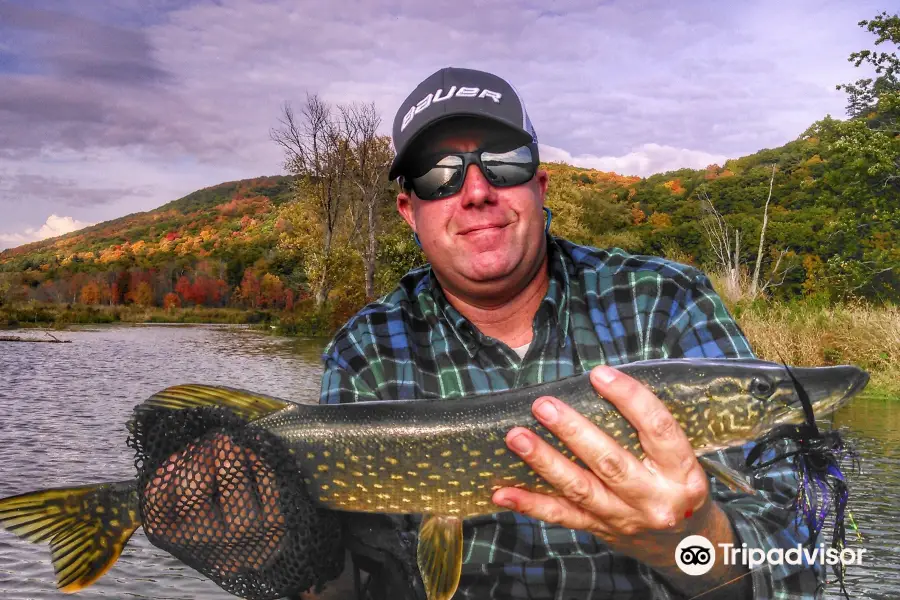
(865, 95)
(564, 199)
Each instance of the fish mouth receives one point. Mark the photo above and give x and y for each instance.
(828, 389)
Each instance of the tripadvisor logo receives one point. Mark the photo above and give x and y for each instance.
(695, 555)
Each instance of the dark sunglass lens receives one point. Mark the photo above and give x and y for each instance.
(443, 179)
(508, 168)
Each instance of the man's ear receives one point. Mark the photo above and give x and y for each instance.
(405, 208)
(542, 178)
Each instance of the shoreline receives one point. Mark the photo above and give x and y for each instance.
(801, 334)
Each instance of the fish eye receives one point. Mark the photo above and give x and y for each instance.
(761, 388)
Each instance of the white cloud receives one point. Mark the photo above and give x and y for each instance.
(54, 225)
(644, 160)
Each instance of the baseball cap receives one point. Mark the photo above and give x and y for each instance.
(455, 92)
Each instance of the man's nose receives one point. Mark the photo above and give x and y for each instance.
(476, 188)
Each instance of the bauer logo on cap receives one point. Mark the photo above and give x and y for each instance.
(453, 92)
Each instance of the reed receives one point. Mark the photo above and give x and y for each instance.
(805, 334)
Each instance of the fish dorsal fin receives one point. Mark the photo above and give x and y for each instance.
(247, 405)
(87, 527)
(439, 555)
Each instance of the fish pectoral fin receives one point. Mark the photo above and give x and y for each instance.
(87, 527)
(439, 555)
(734, 480)
(245, 404)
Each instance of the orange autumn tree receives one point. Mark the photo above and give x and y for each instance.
(660, 220)
(183, 288)
(171, 300)
(288, 299)
(142, 295)
(637, 215)
(249, 289)
(207, 291)
(271, 291)
(90, 293)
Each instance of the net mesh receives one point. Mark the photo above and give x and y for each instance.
(228, 500)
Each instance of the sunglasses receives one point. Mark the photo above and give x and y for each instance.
(446, 176)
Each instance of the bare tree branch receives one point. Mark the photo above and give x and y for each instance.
(784, 274)
(728, 256)
(718, 233)
(316, 148)
(762, 238)
(373, 155)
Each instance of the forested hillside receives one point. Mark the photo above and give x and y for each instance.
(329, 236)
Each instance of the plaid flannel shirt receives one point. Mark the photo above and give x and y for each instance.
(602, 307)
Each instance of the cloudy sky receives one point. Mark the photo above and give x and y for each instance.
(118, 106)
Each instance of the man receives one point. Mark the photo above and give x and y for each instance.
(501, 304)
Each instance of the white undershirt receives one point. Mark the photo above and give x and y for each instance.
(521, 350)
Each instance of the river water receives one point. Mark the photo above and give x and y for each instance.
(63, 408)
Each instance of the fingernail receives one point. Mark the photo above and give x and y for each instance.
(505, 503)
(520, 443)
(605, 374)
(546, 411)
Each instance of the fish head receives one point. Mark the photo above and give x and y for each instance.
(728, 402)
(821, 390)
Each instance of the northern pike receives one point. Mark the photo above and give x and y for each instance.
(441, 458)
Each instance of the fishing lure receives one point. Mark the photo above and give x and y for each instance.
(818, 458)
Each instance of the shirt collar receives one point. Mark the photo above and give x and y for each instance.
(553, 308)
(557, 297)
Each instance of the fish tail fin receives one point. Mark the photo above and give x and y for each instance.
(87, 527)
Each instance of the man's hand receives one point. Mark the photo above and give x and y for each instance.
(640, 508)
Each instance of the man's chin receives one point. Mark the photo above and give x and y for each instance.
(488, 266)
(484, 282)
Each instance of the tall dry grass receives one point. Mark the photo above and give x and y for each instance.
(805, 334)
(733, 288)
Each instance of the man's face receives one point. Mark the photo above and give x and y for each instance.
(483, 241)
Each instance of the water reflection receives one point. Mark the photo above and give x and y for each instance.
(873, 426)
